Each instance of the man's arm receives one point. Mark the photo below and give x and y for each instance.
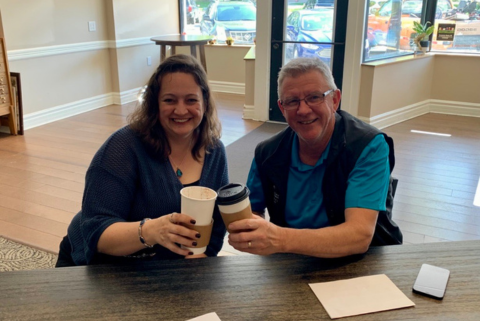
(352, 237)
(368, 185)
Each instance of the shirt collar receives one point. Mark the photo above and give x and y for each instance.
(297, 163)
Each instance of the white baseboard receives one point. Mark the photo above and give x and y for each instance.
(63, 111)
(424, 107)
(227, 87)
(128, 96)
(248, 112)
(78, 107)
(455, 108)
(398, 115)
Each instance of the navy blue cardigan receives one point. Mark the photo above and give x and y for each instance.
(126, 183)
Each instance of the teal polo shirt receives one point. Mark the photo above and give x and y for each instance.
(367, 185)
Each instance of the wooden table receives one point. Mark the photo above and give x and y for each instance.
(239, 287)
(183, 40)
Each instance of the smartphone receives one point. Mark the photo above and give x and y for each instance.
(431, 281)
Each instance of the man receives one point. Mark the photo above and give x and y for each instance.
(324, 179)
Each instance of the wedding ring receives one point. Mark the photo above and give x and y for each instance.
(249, 244)
(171, 218)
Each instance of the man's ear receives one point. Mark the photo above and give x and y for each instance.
(336, 97)
(279, 104)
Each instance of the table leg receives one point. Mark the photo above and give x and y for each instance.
(202, 57)
(193, 51)
(173, 50)
(163, 52)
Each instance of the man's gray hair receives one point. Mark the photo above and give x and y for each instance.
(300, 66)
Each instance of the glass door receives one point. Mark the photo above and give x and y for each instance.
(306, 28)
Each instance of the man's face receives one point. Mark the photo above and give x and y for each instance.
(313, 125)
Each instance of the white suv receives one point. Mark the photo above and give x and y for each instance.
(235, 19)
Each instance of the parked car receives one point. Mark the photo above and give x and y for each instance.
(193, 12)
(385, 24)
(308, 27)
(236, 19)
(313, 4)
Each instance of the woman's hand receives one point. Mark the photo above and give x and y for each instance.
(170, 230)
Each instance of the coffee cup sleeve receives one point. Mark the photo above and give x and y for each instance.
(205, 234)
(233, 217)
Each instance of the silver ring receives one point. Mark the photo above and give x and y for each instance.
(249, 244)
(171, 218)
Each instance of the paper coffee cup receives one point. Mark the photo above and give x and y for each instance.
(199, 203)
(233, 203)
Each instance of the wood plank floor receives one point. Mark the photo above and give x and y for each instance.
(42, 173)
(438, 178)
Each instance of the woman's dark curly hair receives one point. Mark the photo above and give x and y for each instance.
(145, 119)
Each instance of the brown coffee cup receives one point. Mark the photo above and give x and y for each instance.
(233, 203)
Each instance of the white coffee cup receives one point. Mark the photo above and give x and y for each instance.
(199, 203)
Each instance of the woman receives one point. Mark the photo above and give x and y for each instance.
(131, 203)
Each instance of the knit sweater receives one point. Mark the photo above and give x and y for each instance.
(126, 183)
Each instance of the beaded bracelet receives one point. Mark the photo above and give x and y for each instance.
(140, 236)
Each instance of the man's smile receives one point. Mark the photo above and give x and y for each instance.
(307, 122)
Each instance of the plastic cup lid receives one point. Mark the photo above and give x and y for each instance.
(232, 193)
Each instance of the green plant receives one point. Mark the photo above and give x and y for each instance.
(423, 31)
(229, 41)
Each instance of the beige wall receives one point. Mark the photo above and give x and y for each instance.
(226, 63)
(457, 78)
(58, 80)
(40, 23)
(116, 66)
(133, 71)
(387, 87)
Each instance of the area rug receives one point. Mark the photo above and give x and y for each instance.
(15, 257)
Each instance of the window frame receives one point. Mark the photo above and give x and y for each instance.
(429, 12)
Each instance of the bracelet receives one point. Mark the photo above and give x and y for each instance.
(140, 236)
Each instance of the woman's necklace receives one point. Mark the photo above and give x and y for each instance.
(178, 171)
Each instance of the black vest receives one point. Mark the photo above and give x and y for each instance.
(349, 139)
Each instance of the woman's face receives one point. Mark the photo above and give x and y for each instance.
(181, 105)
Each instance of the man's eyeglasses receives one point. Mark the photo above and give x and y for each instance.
(312, 100)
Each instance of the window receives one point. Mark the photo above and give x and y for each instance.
(310, 32)
(222, 19)
(389, 26)
(457, 27)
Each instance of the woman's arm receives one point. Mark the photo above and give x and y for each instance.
(123, 238)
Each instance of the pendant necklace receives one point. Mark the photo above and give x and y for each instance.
(178, 171)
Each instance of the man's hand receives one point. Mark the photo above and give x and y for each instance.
(256, 236)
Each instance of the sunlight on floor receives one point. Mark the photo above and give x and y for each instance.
(476, 199)
(429, 133)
